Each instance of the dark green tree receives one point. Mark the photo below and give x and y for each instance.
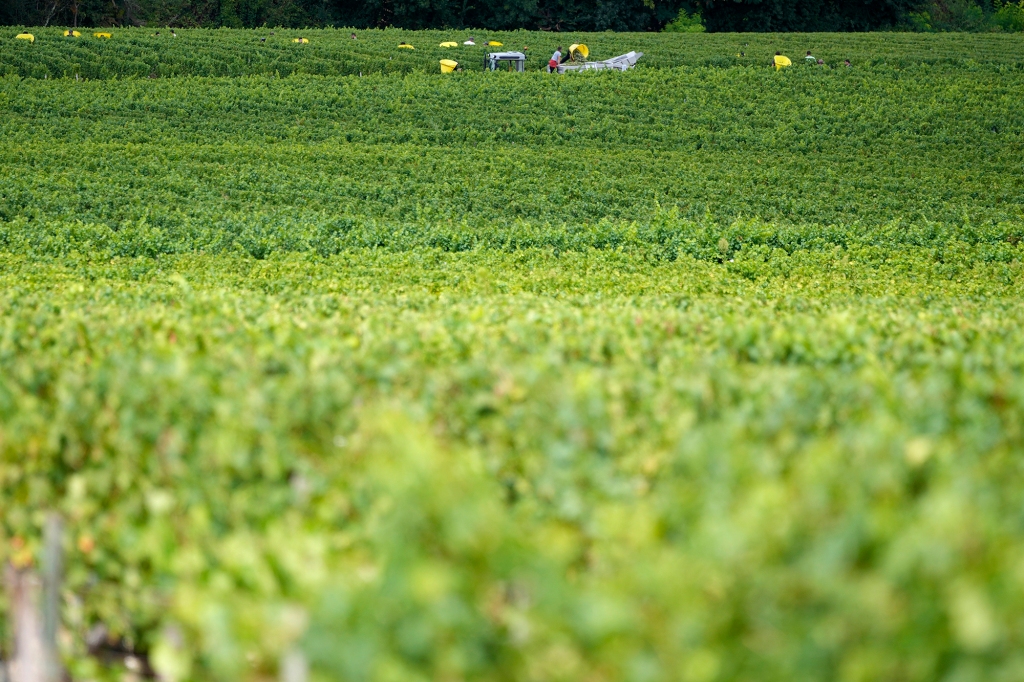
(548, 15)
(17, 12)
(803, 15)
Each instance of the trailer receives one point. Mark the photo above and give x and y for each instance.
(516, 61)
(621, 63)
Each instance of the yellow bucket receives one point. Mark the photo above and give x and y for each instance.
(448, 65)
(579, 50)
(782, 62)
(26, 36)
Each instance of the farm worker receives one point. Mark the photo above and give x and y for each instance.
(846, 62)
(809, 59)
(555, 60)
(470, 41)
(173, 34)
(353, 36)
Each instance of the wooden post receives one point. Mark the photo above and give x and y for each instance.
(35, 612)
(294, 667)
(27, 661)
(53, 572)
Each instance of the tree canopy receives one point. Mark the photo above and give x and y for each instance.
(553, 15)
(803, 15)
(545, 15)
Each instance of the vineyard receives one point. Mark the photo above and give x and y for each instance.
(140, 52)
(700, 371)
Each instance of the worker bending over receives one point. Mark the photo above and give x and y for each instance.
(556, 59)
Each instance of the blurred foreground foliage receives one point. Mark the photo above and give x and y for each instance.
(487, 465)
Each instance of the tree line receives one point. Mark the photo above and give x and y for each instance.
(551, 15)
(546, 15)
(863, 15)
